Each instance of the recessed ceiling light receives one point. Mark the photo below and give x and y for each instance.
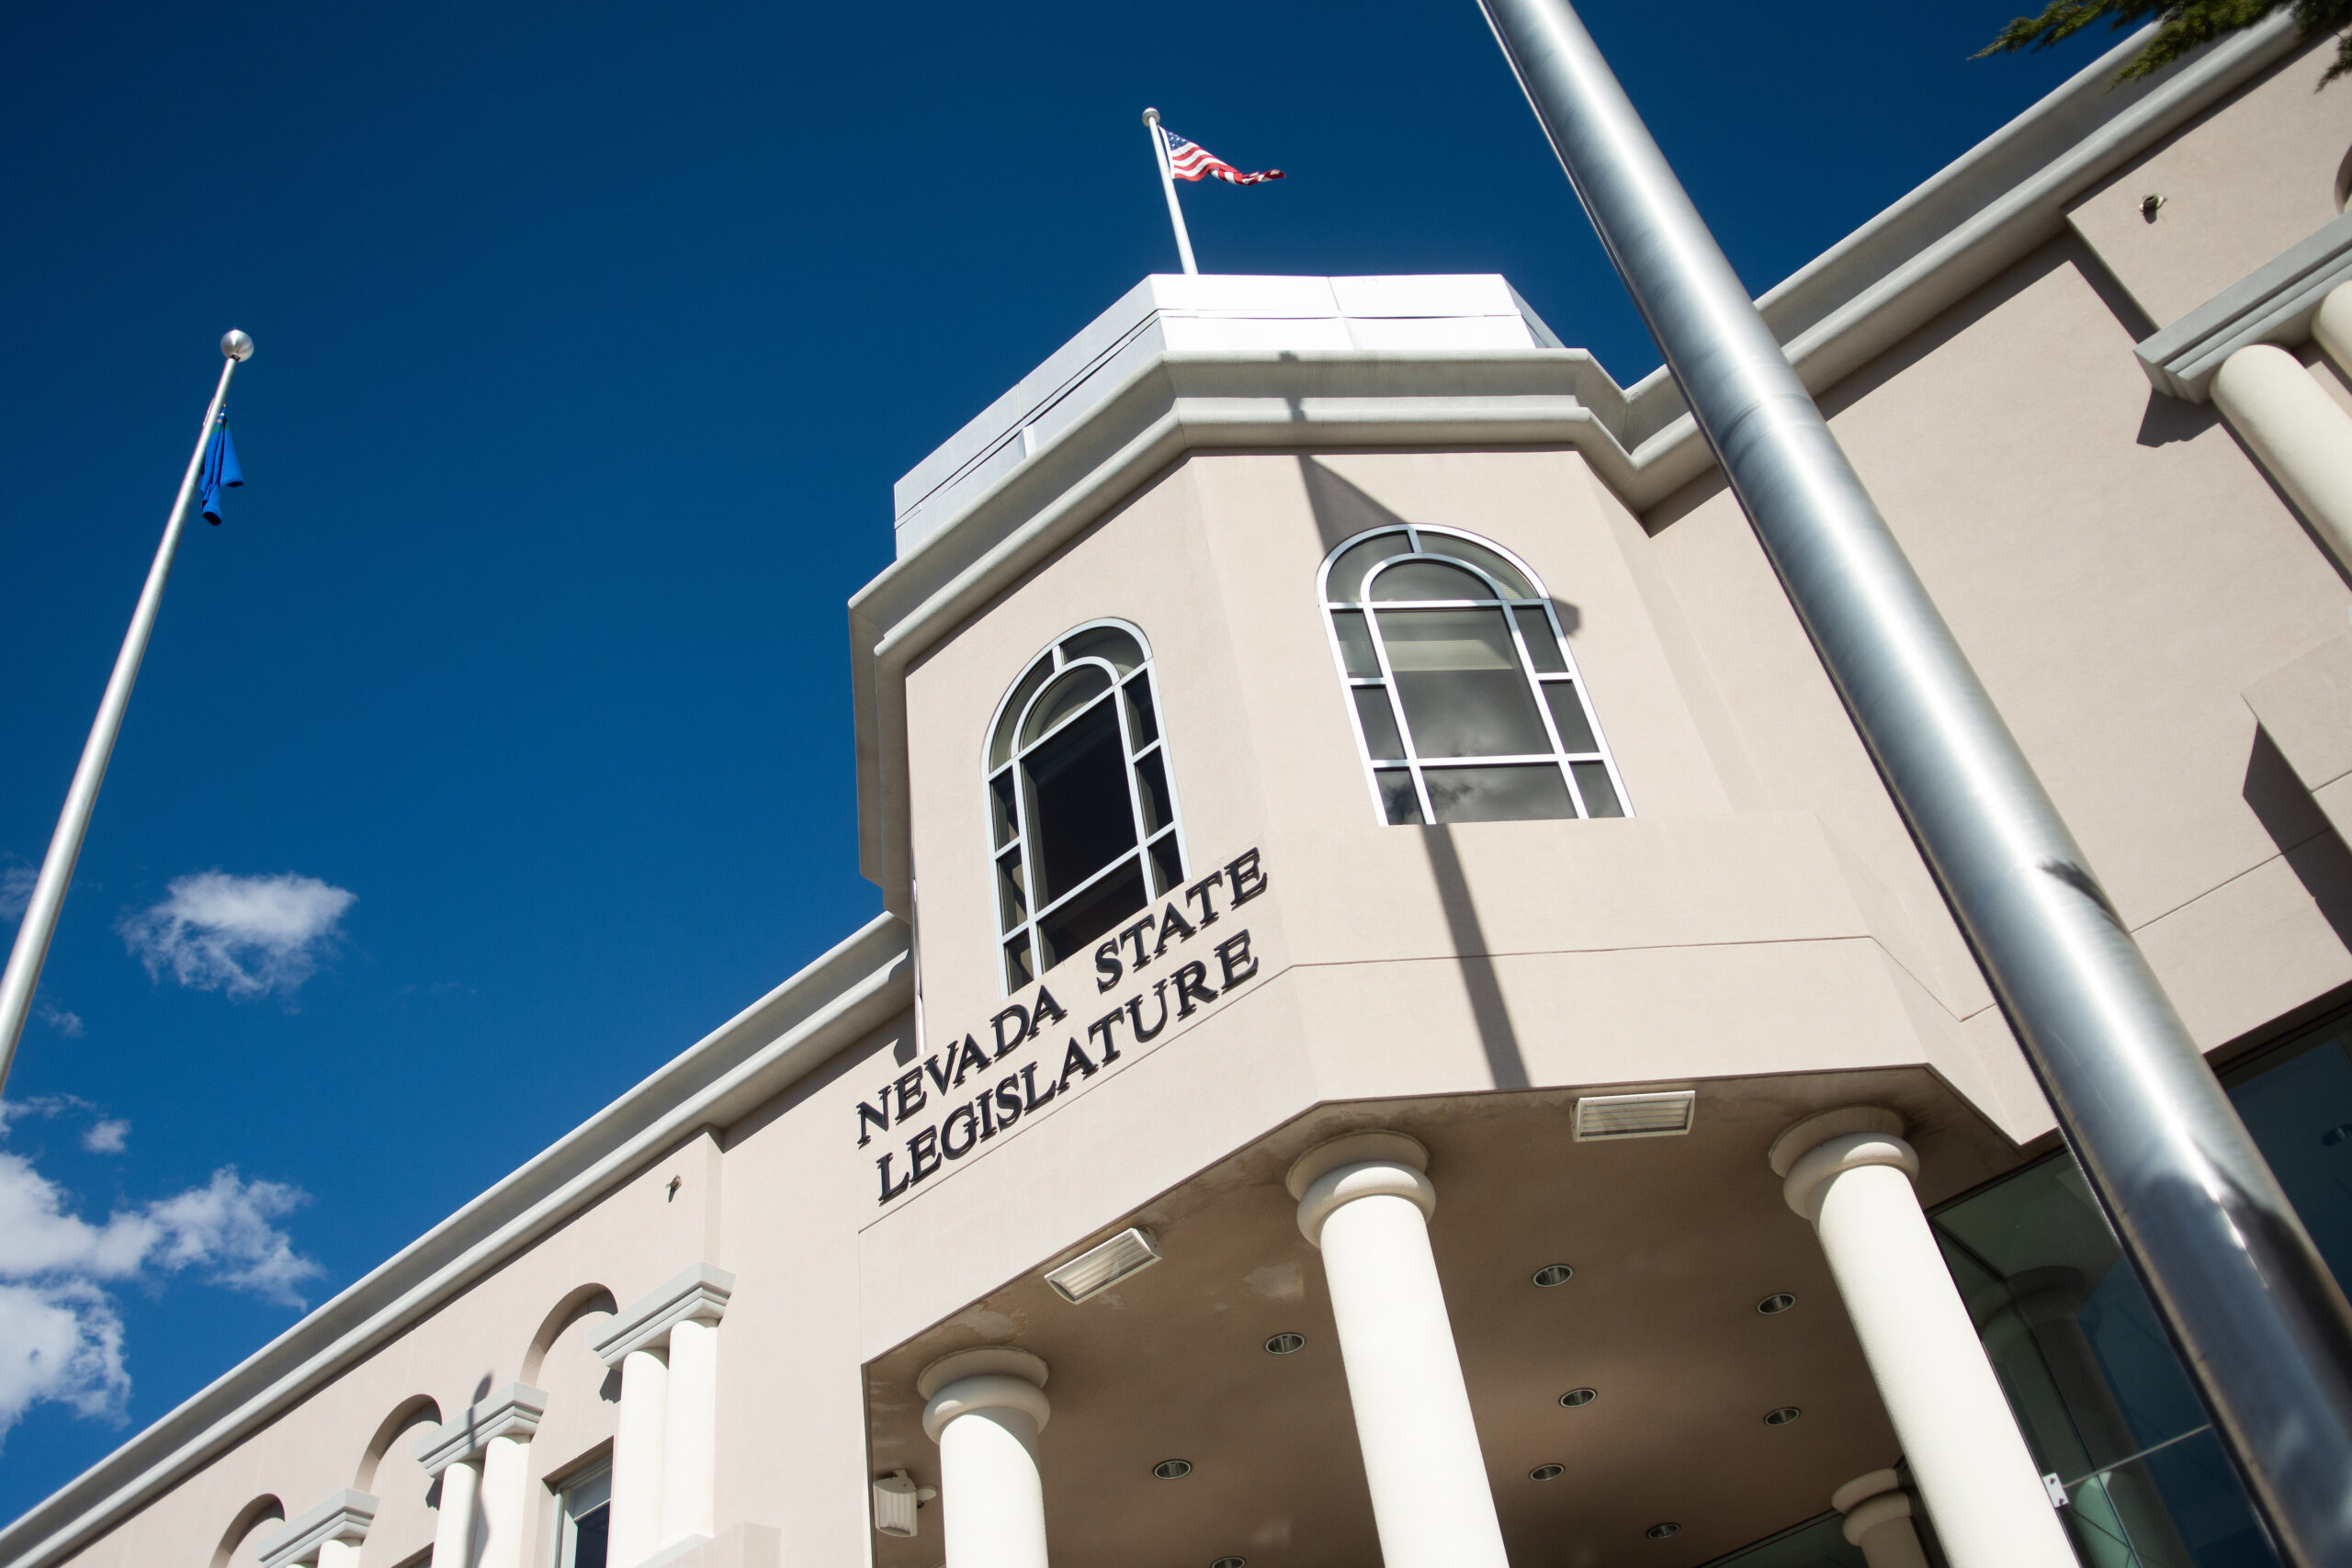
(1547, 1472)
(1229, 1562)
(1661, 1532)
(1285, 1344)
(1771, 1306)
(1100, 1268)
(1553, 1274)
(1782, 1417)
(1577, 1398)
(1172, 1468)
(1634, 1115)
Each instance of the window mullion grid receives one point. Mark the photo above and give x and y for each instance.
(1127, 752)
(1542, 708)
(1148, 675)
(1592, 719)
(1404, 720)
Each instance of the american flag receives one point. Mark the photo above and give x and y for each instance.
(1190, 161)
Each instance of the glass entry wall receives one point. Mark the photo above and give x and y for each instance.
(2106, 1406)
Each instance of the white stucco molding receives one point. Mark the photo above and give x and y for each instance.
(2274, 304)
(1955, 232)
(511, 1411)
(344, 1515)
(839, 1000)
(699, 1294)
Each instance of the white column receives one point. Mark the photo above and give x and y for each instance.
(1878, 1520)
(339, 1554)
(2303, 436)
(637, 1458)
(690, 1439)
(1850, 1173)
(505, 1501)
(1365, 1202)
(454, 1529)
(2332, 327)
(986, 1409)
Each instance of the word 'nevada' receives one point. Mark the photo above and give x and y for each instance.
(1021, 1093)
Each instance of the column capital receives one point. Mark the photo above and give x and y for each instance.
(1354, 1148)
(1801, 1138)
(988, 1377)
(1359, 1165)
(510, 1412)
(698, 1295)
(344, 1515)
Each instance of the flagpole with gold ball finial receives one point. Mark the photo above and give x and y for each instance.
(25, 959)
(1168, 183)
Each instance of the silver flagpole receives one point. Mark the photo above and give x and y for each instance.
(1168, 183)
(25, 959)
(2261, 1322)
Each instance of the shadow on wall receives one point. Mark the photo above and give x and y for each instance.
(246, 1531)
(1496, 1033)
(2303, 832)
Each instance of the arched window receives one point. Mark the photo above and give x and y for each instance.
(1081, 810)
(1465, 700)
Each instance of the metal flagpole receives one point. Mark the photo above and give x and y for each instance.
(1168, 183)
(2261, 1322)
(25, 959)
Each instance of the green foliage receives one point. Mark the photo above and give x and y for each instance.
(2182, 26)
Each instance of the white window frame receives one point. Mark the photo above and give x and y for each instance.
(1427, 542)
(1026, 928)
(567, 1491)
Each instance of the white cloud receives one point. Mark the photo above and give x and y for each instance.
(61, 1337)
(69, 1024)
(108, 1135)
(15, 889)
(244, 935)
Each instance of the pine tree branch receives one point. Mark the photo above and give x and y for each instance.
(2183, 27)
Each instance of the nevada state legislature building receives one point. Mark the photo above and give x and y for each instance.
(1423, 1038)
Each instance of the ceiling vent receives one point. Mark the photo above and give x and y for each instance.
(1634, 1115)
(1100, 1268)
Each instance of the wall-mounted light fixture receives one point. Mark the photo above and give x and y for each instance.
(896, 1498)
(1099, 1267)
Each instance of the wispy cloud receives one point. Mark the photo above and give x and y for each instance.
(69, 1024)
(15, 889)
(61, 1335)
(108, 1136)
(245, 935)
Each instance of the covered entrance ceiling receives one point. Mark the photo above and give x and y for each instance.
(1673, 1241)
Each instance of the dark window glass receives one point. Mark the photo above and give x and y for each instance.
(1567, 717)
(1593, 782)
(1535, 628)
(590, 1535)
(1143, 723)
(1524, 794)
(1397, 796)
(1422, 579)
(1016, 963)
(1346, 583)
(1380, 737)
(1153, 780)
(1001, 814)
(1077, 688)
(1355, 643)
(1105, 642)
(1081, 819)
(1167, 863)
(1075, 927)
(1458, 675)
(1012, 901)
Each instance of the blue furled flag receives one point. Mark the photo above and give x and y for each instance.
(220, 470)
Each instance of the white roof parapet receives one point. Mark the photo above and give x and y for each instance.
(516, 1408)
(1174, 312)
(344, 1515)
(700, 1294)
(2273, 304)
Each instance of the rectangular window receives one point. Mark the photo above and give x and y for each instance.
(585, 1520)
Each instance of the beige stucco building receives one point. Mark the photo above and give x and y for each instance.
(1407, 1026)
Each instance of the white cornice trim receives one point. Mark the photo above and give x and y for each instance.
(699, 1294)
(845, 995)
(1982, 213)
(513, 1411)
(2273, 304)
(344, 1515)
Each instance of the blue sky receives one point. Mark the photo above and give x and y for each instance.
(510, 705)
